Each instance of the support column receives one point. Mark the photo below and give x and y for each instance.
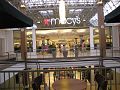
(24, 56)
(34, 39)
(101, 27)
(92, 74)
(76, 40)
(115, 37)
(23, 44)
(48, 41)
(24, 53)
(91, 38)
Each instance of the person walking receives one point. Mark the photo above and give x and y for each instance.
(102, 83)
(64, 51)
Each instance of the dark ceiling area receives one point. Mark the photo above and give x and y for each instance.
(10, 17)
(114, 16)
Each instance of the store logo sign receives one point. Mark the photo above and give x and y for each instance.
(55, 21)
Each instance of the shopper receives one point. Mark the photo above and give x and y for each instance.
(65, 52)
(46, 86)
(83, 46)
(102, 83)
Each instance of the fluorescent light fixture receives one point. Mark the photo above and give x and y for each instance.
(99, 1)
(38, 22)
(84, 20)
(22, 6)
(62, 13)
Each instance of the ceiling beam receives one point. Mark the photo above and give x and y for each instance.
(43, 8)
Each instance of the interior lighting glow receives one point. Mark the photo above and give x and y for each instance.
(41, 32)
(66, 31)
(62, 12)
(16, 43)
(97, 30)
(46, 32)
(81, 30)
(28, 33)
(53, 31)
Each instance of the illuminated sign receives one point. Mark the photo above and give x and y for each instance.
(68, 21)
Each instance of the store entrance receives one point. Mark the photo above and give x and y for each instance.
(62, 40)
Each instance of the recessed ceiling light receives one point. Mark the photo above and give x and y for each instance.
(99, 1)
(38, 22)
(84, 20)
(22, 6)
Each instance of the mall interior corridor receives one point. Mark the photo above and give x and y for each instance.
(59, 44)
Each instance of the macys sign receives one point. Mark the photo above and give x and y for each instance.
(68, 21)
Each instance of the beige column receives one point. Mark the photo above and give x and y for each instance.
(23, 37)
(24, 56)
(23, 44)
(91, 38)
(101, 27)
(34, 40)
(24, 53)
(76, 40)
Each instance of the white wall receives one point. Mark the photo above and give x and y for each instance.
(2, 34)
(6, 41)
(9, 41)
(2, 42)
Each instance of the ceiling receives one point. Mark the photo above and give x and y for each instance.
(10, 17)
(114, 16)
(39, 10)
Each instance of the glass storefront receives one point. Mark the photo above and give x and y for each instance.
(60, 37)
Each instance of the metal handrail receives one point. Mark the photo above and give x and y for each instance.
(46, 53)
(62, 72)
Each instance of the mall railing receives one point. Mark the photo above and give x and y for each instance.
(58, 53)
(113, 51)
(25, 79)
(8, 55)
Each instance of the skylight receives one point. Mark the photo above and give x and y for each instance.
(108, 7)
(46, 12)
(33, 3)
(75, 10)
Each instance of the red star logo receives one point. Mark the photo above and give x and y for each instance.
(46, 22)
